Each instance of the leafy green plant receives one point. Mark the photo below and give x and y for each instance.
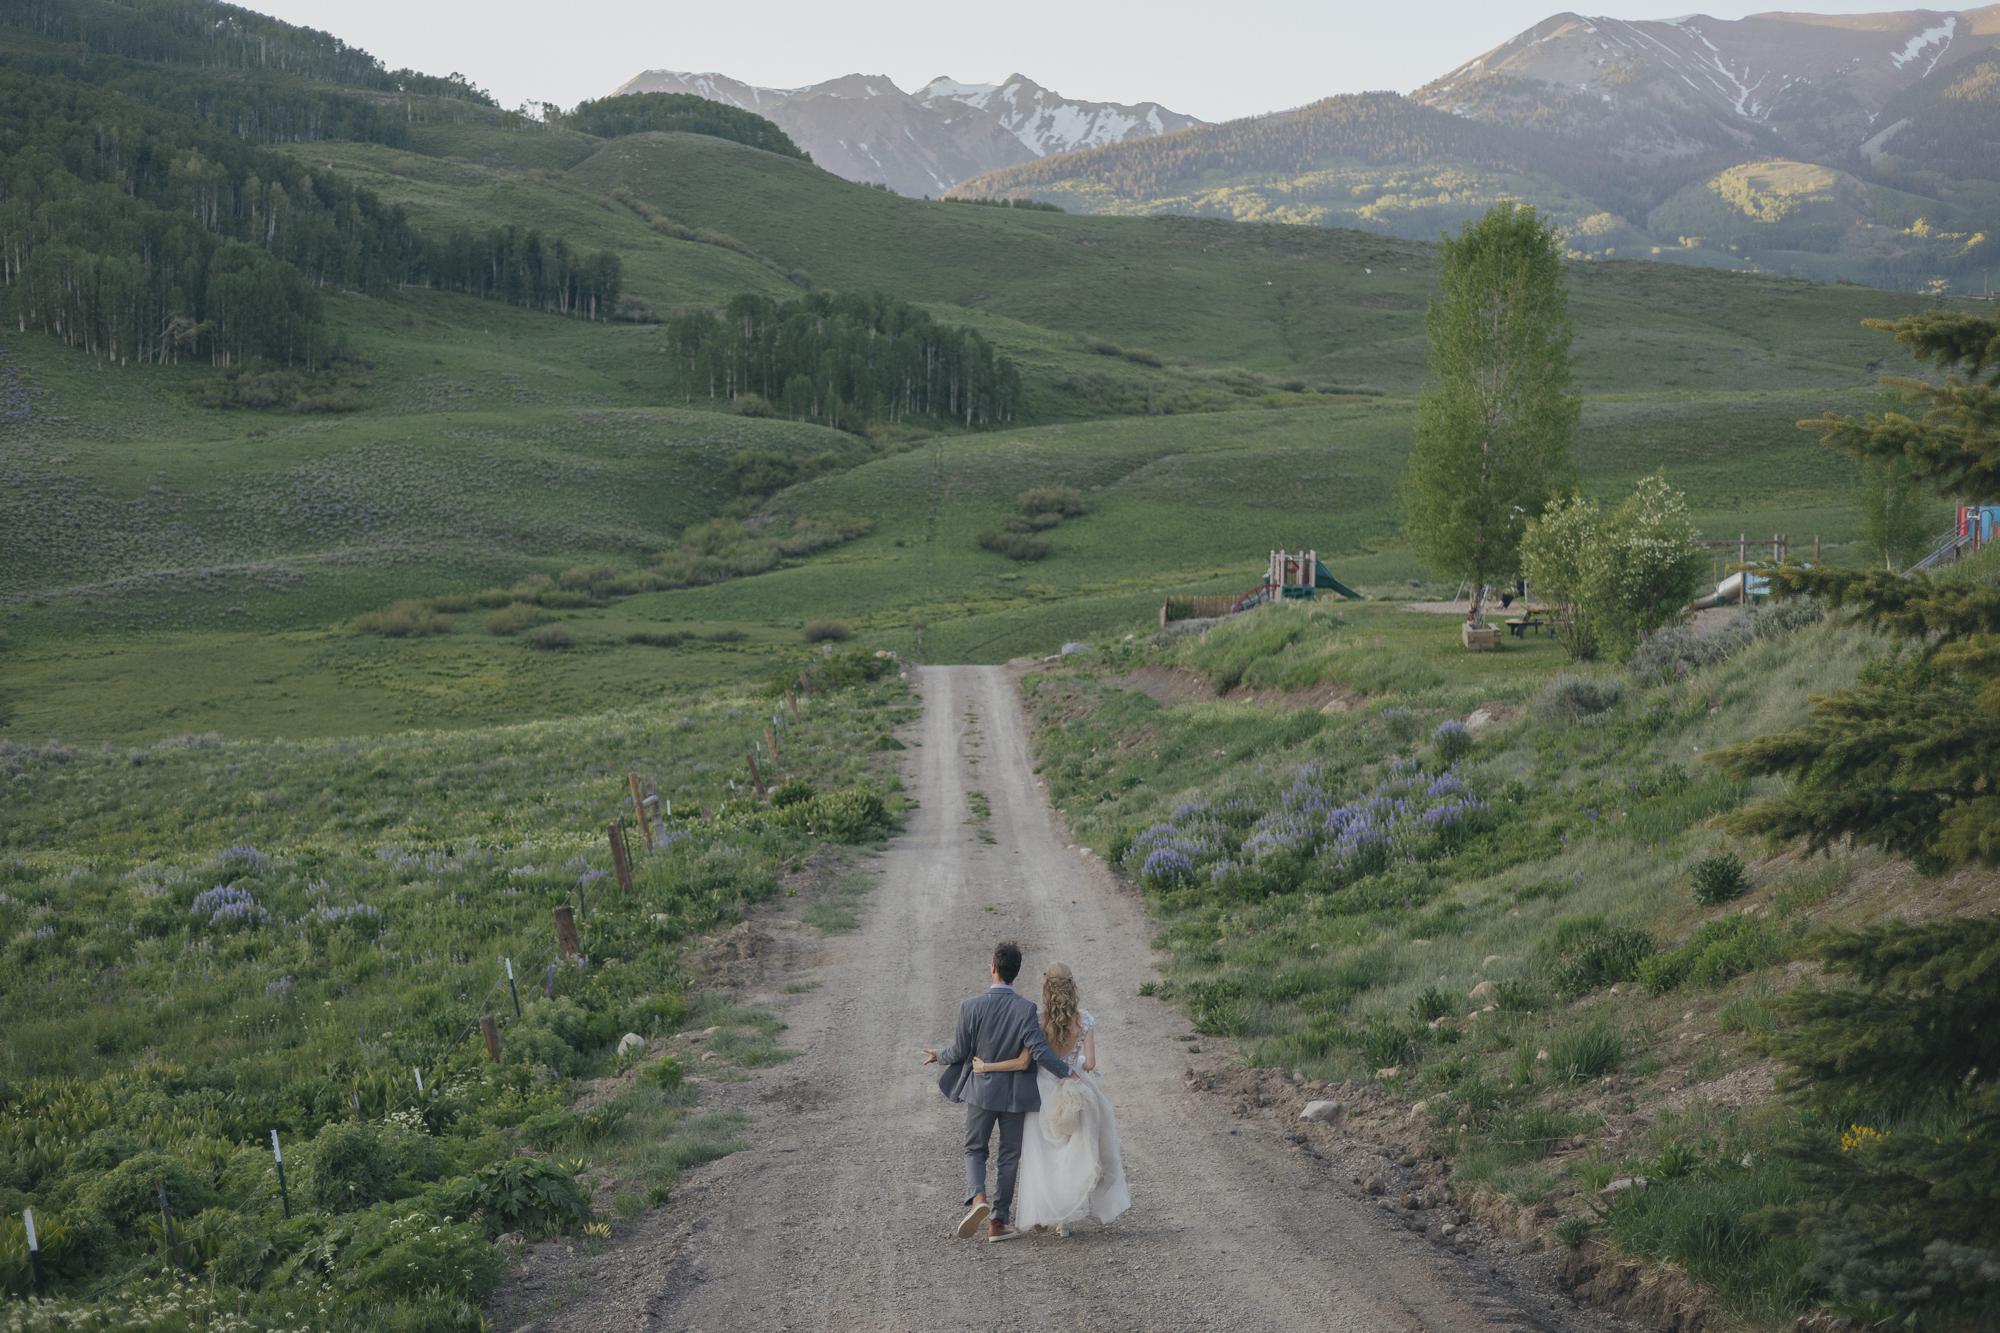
(1718, 879)
(1572, 1232)
(1433, 1002)
(527, 1194)
(1717, 951)
(1585, 954)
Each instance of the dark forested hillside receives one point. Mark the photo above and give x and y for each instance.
(142, 219)
(843, 361)
(218, 36)
(640, 113)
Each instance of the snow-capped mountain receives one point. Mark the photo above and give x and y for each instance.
(1046, 122)
(863, 127)
(1811, 84)
(1858, 146)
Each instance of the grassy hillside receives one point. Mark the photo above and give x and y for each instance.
(1509, 966)
(227, 939)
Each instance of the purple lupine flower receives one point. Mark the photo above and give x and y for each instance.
(280, 989)
(227, 905)
(244, 858)
(334, 916)
(1167, 867)
(588, 878)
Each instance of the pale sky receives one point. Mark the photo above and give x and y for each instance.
(1216, 59)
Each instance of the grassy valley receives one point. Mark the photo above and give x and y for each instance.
(328, 650)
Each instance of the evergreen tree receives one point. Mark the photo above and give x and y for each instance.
(1496, 418)
(1903, 1187)
(1909, 758)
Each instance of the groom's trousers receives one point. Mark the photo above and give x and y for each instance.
(979, 1126)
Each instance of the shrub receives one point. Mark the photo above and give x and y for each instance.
(1717, 879)
(1570, 698)
(417, 1253)
(1585, 1052)
(515, 617)
(1586, 954)
(1435, 1002)
(656, 639)
(1402, 724)
(826, 631)
(1677, 651)
(791, 792)
(1015, 545)
(125, 1197)
(406, 619)
(1452, 740)
(852, 815)
(1062, 501)
(351, 1164)
(1616, 576)
(526, 1194)
(550, 639)
(556, 1035)
(1717, 951)
(752, 405)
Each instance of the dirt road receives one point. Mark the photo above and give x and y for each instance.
(839, 1215)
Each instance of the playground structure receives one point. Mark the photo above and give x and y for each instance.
(1970, 533)
(1290, 576)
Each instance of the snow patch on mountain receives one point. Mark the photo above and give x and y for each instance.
(1923, 41)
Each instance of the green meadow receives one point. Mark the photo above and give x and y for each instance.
(315, 705)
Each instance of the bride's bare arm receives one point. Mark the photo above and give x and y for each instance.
(1013, 1066)
(1089, 1051)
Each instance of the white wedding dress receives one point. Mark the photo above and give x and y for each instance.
(1070, 1165)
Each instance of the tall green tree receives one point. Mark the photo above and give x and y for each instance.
(1895, 519)
(1908, 759)
(1497, 415)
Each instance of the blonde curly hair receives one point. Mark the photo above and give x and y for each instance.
(1062, 1010)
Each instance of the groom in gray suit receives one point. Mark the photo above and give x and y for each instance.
(994, 1026)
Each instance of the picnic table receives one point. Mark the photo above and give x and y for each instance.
(1536, 618)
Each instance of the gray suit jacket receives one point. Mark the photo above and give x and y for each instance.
(995, 1026)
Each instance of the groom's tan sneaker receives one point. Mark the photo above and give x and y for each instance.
(969, 1225)
(997, 1231)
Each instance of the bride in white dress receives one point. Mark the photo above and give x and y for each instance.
(1070, 1165)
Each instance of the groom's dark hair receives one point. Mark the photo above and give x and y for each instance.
(1007, 960)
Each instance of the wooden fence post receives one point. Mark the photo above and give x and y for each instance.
(173, 1232)
(792, 702)
(756, 777)
(566, 942)
(639, 809)
(491, 1032)
(771, 739)
(621, 857)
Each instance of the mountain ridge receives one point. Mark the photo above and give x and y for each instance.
(866, 128)
(1758, 142)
